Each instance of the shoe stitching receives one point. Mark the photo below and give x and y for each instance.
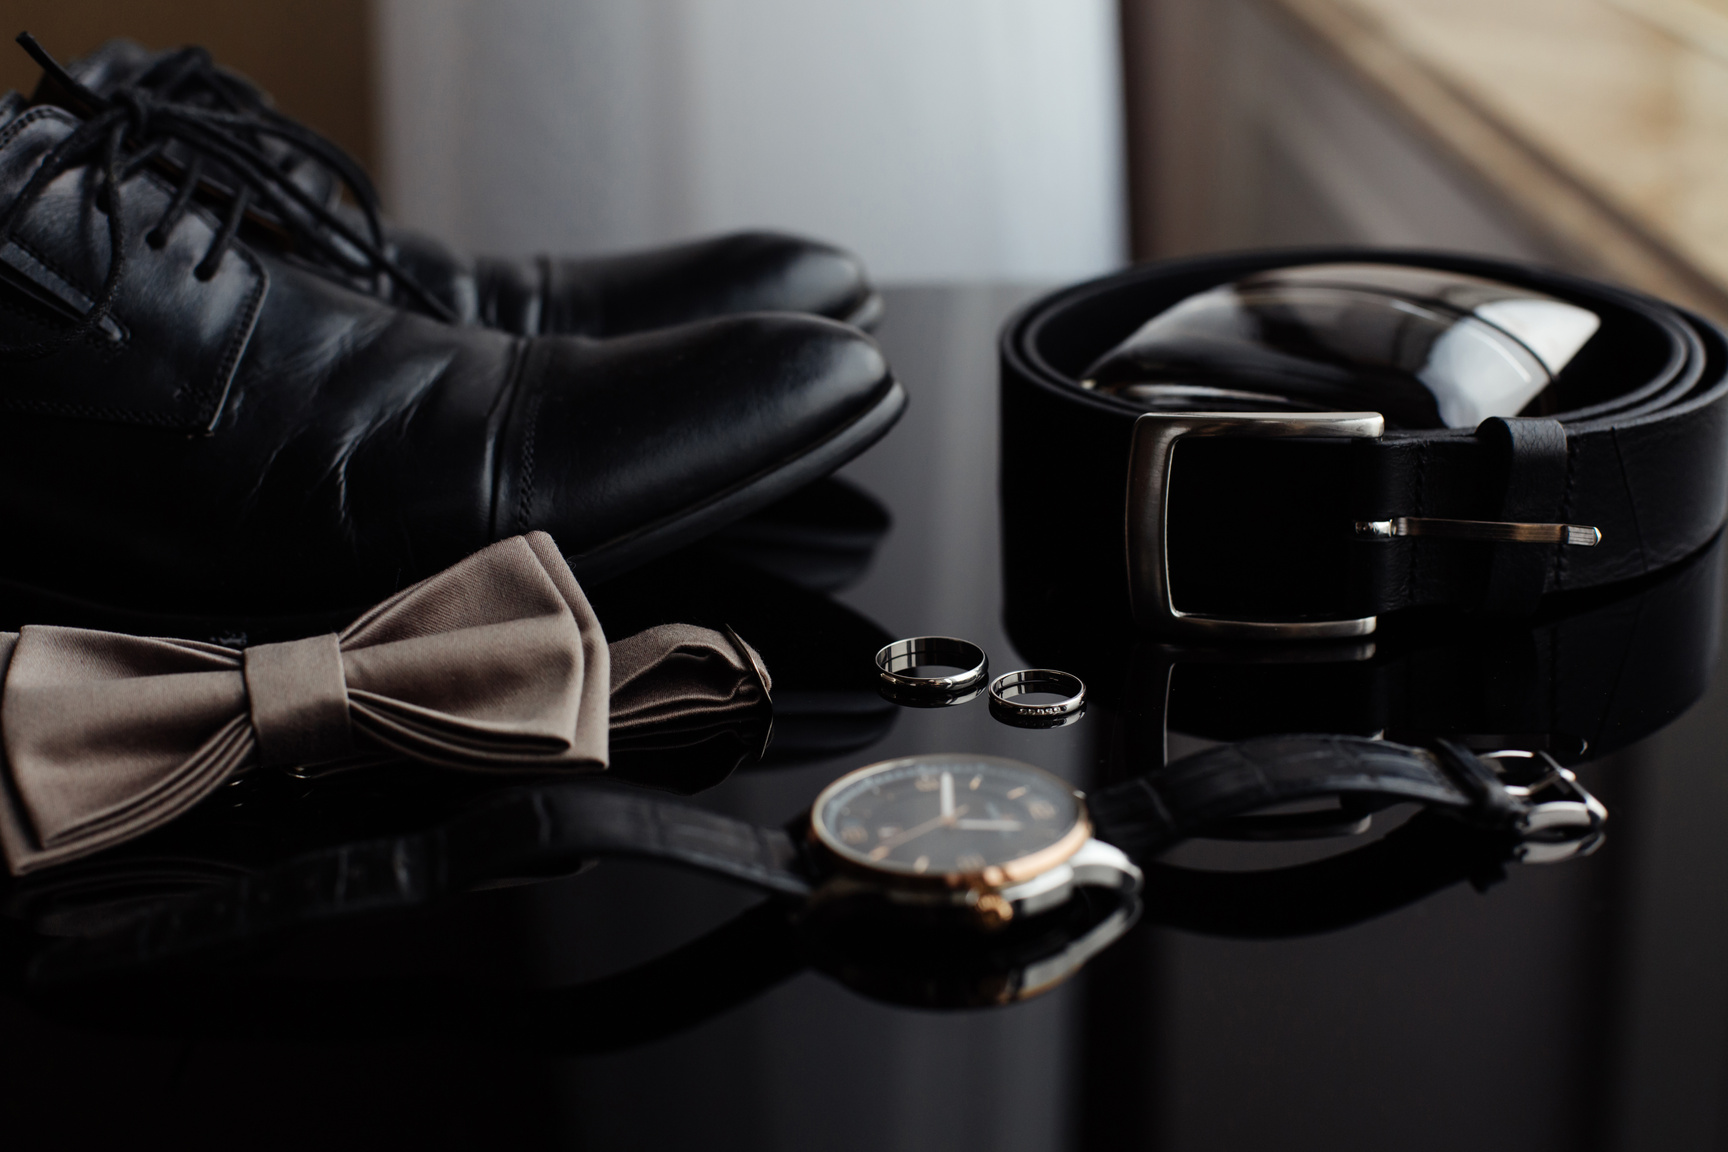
(525, 505)
(229, 365)
(210, 399)
(153, 124)
(68, 282)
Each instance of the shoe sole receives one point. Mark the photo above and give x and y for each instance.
(26, 604)
(771, 484)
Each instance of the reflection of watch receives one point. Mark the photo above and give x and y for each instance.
(719, 970)
(992, 839)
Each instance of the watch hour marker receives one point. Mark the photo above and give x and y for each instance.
(944, 816)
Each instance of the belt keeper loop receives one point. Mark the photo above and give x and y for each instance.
(1532, 460)
(1492, 806)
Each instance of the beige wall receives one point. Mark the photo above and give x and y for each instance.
(314, 56)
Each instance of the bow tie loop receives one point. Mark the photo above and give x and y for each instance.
(298, 697)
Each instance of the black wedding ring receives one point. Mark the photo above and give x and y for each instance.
(895, 661)
(1006, 705)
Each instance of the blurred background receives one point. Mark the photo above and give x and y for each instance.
(1012, 140)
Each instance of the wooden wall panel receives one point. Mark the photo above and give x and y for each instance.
(314, 56)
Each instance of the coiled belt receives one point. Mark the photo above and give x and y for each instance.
(1301, 524)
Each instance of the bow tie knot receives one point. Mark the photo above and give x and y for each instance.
(298, 695)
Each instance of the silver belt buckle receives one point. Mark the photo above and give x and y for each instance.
(1155, 438)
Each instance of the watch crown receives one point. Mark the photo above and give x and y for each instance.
(992, 910)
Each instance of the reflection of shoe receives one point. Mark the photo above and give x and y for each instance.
(208, 423)
(597, 296)
(822, 537)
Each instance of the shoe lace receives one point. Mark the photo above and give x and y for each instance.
(189, 75)
(134, 125)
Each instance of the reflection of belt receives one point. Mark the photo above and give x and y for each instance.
(1288, 524)
(1588, 675)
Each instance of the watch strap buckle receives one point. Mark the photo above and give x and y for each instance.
(1533, 796)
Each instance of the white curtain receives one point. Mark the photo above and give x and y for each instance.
(941, 139)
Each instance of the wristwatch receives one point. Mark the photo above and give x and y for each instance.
(948, 840)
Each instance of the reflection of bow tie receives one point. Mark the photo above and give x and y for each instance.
(497, 662)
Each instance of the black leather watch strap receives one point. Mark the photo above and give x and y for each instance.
(550, 829)
(1265, 528)
(1153, 811)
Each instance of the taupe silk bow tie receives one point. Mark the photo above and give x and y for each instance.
(495, 663)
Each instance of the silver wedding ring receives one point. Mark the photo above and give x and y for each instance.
(895, 660)
(1006, 690)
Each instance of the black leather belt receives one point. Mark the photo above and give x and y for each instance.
(1255, 531)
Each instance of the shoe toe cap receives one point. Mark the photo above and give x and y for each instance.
(727, 275)
(633, 445)
(788, 273)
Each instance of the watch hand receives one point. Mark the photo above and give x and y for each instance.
(913, 833)
(988, 825)
(947, 794)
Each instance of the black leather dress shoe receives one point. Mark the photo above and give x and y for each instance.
(198, 413)
(592, 296)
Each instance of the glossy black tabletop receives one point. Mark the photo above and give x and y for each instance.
(1578, 1004)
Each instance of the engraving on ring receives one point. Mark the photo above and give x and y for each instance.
(1006, 706)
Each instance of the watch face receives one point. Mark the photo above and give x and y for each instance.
(949, 815)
